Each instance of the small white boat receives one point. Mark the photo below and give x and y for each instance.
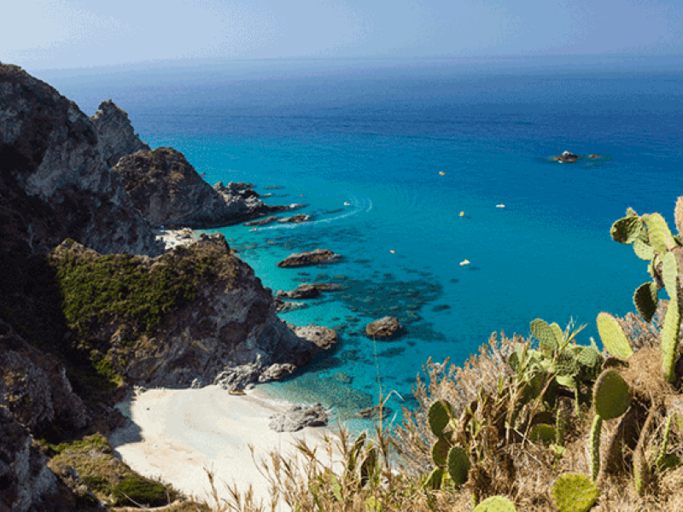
(464, 262)
(500, 206)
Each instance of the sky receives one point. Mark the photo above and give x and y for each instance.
(63, 34)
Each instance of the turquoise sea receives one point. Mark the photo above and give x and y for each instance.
(387, 153)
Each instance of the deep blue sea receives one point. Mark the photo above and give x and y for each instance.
(387, 154)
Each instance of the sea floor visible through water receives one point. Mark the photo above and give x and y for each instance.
(405, 167)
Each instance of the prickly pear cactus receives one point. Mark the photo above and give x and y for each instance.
(440, 451)
(627, 230)
(550, 337)
(458, 465)
(611, 396)
(661, 238)
(438, 416)
(645, 299)
(613, 337)
(541, 433)
(495, 504)
(573, 492)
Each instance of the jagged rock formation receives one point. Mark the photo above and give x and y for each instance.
(24, 477)
(214, 317)
(54, 183)
(168, 191)
(115, 133)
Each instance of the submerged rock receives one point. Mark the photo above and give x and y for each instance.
(304, 259)
(384, 328)
(297, 417)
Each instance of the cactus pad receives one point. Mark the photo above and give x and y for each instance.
(495, 504)
(672, 323)
(678, 215)
(596, 430)
(645, 300)
(661, 238)
(438, 416)
(573, 492)
(611, 396)
(626, 230)
(590, 358)
(613, 337)
(440, 451)
(670, 274)
(643, 250)
(546, 335)
(458, 465)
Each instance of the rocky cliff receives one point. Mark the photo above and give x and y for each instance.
(55, 183)
(89, 304)
(168, 191)
(192, 313)
(115, 133)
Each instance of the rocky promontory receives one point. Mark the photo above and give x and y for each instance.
(385, 328)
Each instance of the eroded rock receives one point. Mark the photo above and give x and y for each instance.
(385, 328)
(115, 132)
(305, 259)
(297, 417)
(323, 337)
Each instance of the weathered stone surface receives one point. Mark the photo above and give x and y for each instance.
(375, 412)
(168, 191)
(297, 417)
(115, 132)
(323, 337)
(26, 480)
(34, 387)
(277, 372)
(305, 259)
(304, 291)
(384, 328)
(54, 182)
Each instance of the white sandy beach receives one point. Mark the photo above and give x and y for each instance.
(177, 433)
(173, 238)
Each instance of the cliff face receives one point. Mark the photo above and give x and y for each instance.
(54, 182)
(210, 313)
(116, 135)
(169, 191)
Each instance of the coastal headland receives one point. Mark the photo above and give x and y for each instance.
(105, 288)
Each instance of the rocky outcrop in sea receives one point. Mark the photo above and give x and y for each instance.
(307, 259)
(167, 189)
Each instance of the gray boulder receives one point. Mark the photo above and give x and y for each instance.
(385, 328)
(297, 417)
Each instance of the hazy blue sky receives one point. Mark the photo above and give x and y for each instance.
(78, 33)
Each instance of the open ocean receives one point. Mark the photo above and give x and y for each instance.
(378, 134)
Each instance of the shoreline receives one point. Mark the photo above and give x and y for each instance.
(175, 434)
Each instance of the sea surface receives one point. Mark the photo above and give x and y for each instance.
(403, 164)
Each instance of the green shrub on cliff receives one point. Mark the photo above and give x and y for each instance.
(124, 288)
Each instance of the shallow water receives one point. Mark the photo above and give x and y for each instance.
(409, 147)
